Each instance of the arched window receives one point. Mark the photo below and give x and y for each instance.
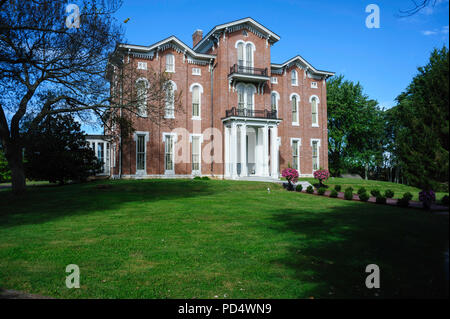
(170, 100)
(197, 91)
(240, 50)
(294, 104)
(245, 56)
(170, 63)
(249, 56)
(294, 78)
(141, 97)
(245, 94)
(314, 110)
(274, 97)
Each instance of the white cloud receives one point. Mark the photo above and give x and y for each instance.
(445, 29)
(428, 32)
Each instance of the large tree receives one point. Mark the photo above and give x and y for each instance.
(422, 127)
(355, 128)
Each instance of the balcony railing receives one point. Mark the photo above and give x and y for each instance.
(264, 114)
(242, 69)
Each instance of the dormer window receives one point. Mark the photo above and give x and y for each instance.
(294, 78)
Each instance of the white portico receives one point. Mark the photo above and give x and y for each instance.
(251, 147)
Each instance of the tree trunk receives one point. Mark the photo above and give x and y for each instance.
(366, 172)
(15, 162)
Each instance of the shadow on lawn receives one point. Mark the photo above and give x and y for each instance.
(42, 204)
(334, 248)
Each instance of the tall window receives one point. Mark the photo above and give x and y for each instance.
(141, 97)
(101, 156)
(245, 98)
(168, 153)
(170, 63)
(294, 78)
(196, 101)
(295, 155)
(170, 100)
(314, 112)
(245, 56)
(294, 109)
(240, 50)
(249, 55)
(196, 154)
(140, 153)
(241, 99)
(273, 101)
(315, 155)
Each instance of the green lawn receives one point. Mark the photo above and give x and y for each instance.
(202, 239)
(399, 189)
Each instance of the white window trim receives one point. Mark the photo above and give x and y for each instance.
(277, 98)
(273, 80)
(170, 71)
(145, 102)
(191, 88)
(296, 78)
(200, 136)
(246, 86)
(244, 58)
(146, 139)
(174, 87)
(295, 123)
(318, 102)
(299, 144)
(142, 65)
(175, 138)
(318, 153)
(314, 85)
(197, 74)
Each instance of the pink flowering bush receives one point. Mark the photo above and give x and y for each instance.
(321, 175)
(427, 197)
(291, 175)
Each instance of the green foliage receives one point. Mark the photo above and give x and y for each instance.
(197, 178)
(299, 188)
(421, 130)
(380, 199)
(337, 188)
(205, 178)
(310, 189)
(408, 196)
(403, 202)
(355, 127)
(363, 196)
(389, 193)
(334, 193)
(321, 191)
(5, 173)
(349, 189)
(56, 150)
(444, 200)
(375, 192)
(348, 195)
(361, 190)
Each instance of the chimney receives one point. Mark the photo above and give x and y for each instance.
(196, 37)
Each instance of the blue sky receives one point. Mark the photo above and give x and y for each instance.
(330, 34)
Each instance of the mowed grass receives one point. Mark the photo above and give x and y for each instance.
(399, 189)
(214, 239)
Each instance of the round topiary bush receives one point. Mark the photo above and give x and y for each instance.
(375, 192)
(321, 191)
(403, 202)
(197, 178)
(380, 199)
(334, 193)
(310, 189)
(299, 187)
(338, 188)
(349, 189)
(205, 178)
(348, 195)
(364, 197)
(362, 190)
(389, 193)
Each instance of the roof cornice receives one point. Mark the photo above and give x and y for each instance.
(301, 59)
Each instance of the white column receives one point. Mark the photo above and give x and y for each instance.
(274, 151)
(227, 151)
(233, 150)
(243, 130)
(265, 130)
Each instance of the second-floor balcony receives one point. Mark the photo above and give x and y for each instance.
(242, 72)
(244, 112)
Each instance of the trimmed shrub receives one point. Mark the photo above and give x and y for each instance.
(444, 200)
(350, 189)
(334, 193)
(348, 195)
(338, 188)
(389, 193)
(380, 199)
(299, 187)
(321, 191)
(205, 178)
(408, 196)
(362, 190)
(310, 189)
(197, 178)
(375, 192)
(403, 202)
(364, 197)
